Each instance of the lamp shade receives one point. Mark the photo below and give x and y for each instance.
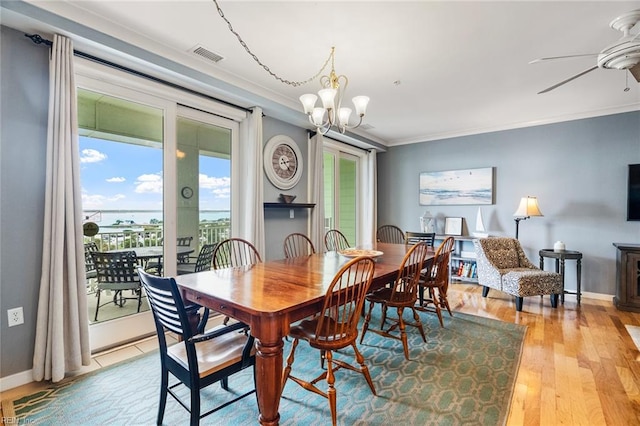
(308, 102)
(361, 102)
(528, 207)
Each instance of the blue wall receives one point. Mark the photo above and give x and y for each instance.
(577, 169)
(25, 93)
(24, 72)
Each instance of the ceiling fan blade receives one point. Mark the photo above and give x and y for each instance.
(548, 89)
(553, 58)
(635, 72)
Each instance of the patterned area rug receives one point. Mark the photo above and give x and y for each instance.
(464, 374)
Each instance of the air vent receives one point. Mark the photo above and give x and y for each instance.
(207, 54)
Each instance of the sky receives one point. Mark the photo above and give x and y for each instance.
(123, 176)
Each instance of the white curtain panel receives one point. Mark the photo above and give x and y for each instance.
(316, 191)
(369, 218)
(62, 327)
(251, 181)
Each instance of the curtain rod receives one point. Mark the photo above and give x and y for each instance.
(312, 133)
(37, 39)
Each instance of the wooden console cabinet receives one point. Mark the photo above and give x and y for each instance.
(627, 277)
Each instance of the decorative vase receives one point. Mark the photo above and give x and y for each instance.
(559, 246)
(427, 223)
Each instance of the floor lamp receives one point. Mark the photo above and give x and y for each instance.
(528, 207)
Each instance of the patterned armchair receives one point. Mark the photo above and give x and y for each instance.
(502, 265)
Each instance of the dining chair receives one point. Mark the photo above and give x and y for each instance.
(116, 271)
(196, 361)
(390, 234)
(335, 328)
(400, 295)
(417, 237)
(235, 252)
(296, 245)
(335, 240)
(198, 315)
(231, 253)
(435, 279)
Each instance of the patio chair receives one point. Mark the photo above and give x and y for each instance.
(196, 361)
(202, 262)
(89, 265)
(184, 242)
(116, 271)
(157, 264)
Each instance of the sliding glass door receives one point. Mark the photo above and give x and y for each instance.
(203, 177)
(342, 192)
(154, 173)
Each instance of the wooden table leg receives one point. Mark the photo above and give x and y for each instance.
(269, 360)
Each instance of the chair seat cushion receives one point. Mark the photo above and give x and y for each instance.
(523, 282)
(213, 355)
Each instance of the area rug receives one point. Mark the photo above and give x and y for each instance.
(464, 374)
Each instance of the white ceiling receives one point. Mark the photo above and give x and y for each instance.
(462, 66)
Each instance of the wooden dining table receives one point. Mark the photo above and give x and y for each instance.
(270, 296)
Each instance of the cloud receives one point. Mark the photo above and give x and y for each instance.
(97, 201)
(92, 156)
(116, 179)
(149, 183)
(219, 186)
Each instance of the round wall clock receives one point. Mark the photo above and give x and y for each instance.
(187, 192)
(283, 162)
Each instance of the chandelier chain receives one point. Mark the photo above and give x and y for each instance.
(266, 68)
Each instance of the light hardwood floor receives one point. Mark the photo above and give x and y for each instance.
(580, 365)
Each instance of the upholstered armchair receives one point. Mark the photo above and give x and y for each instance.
(502, 265)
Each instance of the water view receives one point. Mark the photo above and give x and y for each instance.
(111, 220)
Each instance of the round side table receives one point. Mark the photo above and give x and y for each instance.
(560, 257)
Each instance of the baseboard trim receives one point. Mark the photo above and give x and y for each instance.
(15, 380)
(596, 296)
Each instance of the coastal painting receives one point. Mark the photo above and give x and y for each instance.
(456, 187)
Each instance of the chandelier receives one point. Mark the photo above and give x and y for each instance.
(332, 113)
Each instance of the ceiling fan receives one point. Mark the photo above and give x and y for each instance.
(624, 54)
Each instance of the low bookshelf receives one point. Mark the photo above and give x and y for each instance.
(463, 259)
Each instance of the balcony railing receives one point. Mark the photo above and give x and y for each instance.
(208, 233)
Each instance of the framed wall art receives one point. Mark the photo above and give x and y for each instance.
(468, 186)
(453, 226)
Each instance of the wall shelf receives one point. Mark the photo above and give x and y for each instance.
(289, 205)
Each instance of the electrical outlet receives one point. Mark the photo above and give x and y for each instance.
(16, 316)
